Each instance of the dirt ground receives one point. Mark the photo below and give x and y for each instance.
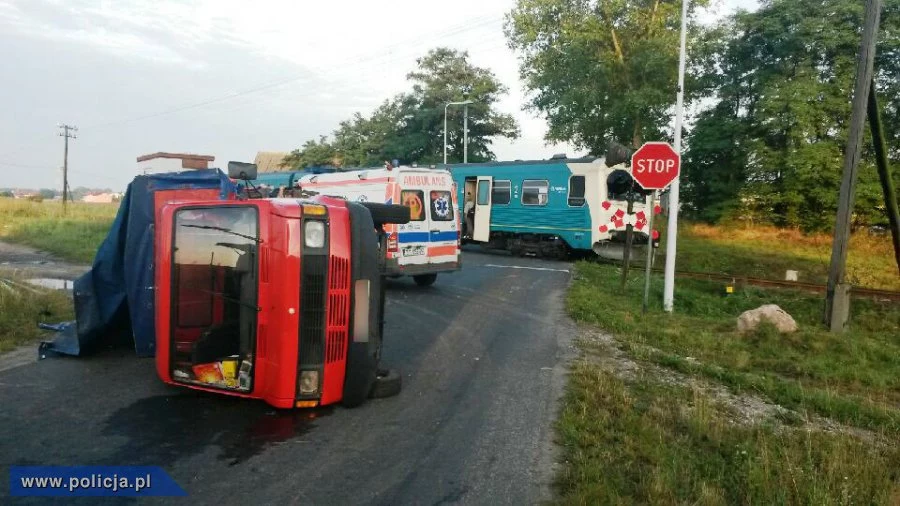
(25, 262)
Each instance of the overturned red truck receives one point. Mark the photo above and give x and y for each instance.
(275, 299)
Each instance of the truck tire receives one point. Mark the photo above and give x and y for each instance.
(425, 279)
(387, 384)
(362, 356)
(387, 213)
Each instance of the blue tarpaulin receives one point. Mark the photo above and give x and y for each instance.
(115, 299)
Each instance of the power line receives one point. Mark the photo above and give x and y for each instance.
(26, 166)
(334, 84)
(370, 59)
(384, 57)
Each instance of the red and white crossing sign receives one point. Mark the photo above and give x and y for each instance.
(654, 165)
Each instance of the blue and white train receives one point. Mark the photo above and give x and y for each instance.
(552, 208)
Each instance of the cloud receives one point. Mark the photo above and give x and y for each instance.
(232, 76)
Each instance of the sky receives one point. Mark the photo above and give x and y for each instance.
(226, 78)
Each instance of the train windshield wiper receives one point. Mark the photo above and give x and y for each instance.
(227, 231)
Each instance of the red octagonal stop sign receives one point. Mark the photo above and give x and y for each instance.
(654, 165)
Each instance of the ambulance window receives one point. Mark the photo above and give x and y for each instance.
(534, 192)
(414, 200)
(576, 191)
(484, 193)
(500, 195)
(441, 206)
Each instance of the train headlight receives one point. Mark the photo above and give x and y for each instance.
(314, 234)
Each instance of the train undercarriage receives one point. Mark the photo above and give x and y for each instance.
(553, 246)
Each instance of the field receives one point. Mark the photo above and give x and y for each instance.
(767, 252)
(668, 408)
(680, 408)
(22, 307)
(74, 235)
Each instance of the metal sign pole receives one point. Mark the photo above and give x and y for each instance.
(669, 287)
(629, 236)
(649, 250)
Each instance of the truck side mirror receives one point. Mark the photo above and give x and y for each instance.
(241, 170)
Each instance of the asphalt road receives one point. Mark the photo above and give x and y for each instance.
(482, 353)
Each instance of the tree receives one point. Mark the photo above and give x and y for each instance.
(313, 154)
(443, 76)
(367, 142)
(783, 78)
(599, 70)
(410, 126)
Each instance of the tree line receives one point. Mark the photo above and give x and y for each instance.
(409, 127)
(770, 91)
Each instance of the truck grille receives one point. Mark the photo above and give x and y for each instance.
(313, 291)
(338, 308)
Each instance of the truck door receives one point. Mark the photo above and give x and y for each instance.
(483, 209)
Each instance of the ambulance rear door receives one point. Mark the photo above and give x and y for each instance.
(443, 237)
(412, 237)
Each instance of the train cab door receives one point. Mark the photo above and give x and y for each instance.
(482, 228)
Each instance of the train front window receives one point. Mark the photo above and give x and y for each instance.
(214, 296)
(576, 191)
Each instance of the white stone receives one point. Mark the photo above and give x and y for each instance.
(749, 320)
(791, 275)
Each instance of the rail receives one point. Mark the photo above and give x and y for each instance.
(795, 285)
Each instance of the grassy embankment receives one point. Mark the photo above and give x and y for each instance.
(663, 434)
(767, 252)
(73, 236)
(22, 307)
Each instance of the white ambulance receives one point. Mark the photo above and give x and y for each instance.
(429, 243)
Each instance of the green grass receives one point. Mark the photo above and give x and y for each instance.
(767, 252)
(74, 235)
(647, 441)
(853, 377)
(643, 442)
(22, 307)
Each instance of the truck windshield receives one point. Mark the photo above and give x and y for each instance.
(214, 295)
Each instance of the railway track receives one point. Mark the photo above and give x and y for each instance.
(872, 293)
(794, 285)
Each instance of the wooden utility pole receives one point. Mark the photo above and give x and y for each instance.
(837, 299)
(884, 171)
(66, 134)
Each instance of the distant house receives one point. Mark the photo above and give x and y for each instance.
(102, 198)
(270, 161)
(155, 163)
(25, 194)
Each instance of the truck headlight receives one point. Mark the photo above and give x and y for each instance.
(314, 234)
(308, 384)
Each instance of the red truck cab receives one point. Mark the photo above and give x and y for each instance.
(273, 299)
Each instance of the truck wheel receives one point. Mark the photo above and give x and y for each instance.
(387, 213)
(387, 384)
(425, 279)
